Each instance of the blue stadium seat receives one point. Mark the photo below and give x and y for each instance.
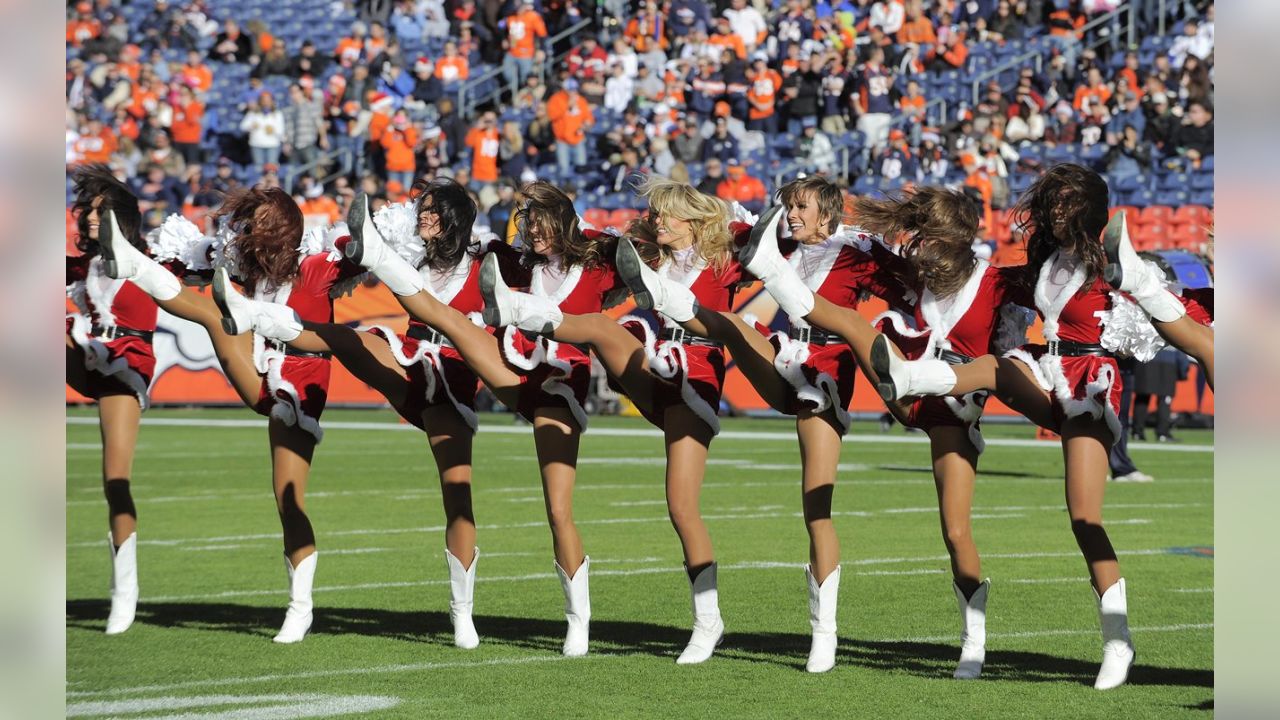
(1174, 181)
(1202, 181)
(1129, 183)
(1202, 197)
(1172, 198)
(1140, 198)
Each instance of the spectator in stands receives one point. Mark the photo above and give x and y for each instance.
(898, 160)
(747, 23)
(350, 49)
(1190, 44)
(833, 91)
(746, 190)
(722, 145)
(196, 73)
(911, 106)
(1195, 135)
(1063, 128)
(687, 146)
(540, 138)
(1162, 125)
(934, 164)
(1094, 92)
(618, 174)
(587, 61)
(661, 160)
(724, 38)
(570, 115)
(188, 125)
(1129, 114)
(802, 90)
(452, 69)
(873, 102)
(154, 28)
(619, 89)
(1026, 123)
(524, 30)
(687, 15)
(625, 55)
(976, 177)
(814, 148)
(1130, 156)
(308, 62)
(917, 37)
(317, 207)
(399, 143)
(305, 133)
(232, 45)
(484, 142)
(408, 21)
(1194, 82)
(888, 16)
(1005, 25)
(96, 143)
(397, 83)
(501, 211)
(83, 27)
(762, 95)
(158, 195)
(162, 153)
(714, 175)
(274, 62)
(377, 44)
(427, 87)
(512, 158)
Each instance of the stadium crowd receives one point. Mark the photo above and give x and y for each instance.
(188, 99)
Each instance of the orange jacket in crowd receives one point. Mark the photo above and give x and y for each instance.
(78, 31)
(919, 31)
(349, 51)
(96, 148)
(523, 30)
(399, 145)
(484, 154)
(978, 179)
(199, 77)
(1093, 95)
(744, 189)
(373, 47)
(729, 41)
(763, 93)
(452, 69)
(378, 124)
(641, 35)
(188, 123)
(568, 119)
(323, 205)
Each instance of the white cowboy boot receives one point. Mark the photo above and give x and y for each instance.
(504, 306)
(577, 608)
(761, 257)
(1117, 648)
(822, 618)
(898, 378)
(297, 619)
(973, 631)
(462, 585)
(241, 315)
(1127, 272)
(124, 584)
(367, 249)
(122, 261)
(708, 628)
(650, 289)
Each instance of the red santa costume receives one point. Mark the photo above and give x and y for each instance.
(113, 329)
(437, 374)
(693, 367)
(553, 373)
(975, 321)
(819, 366)
(1082, 331)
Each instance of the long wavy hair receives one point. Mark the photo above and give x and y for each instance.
(96, 181)
(815, 189)
(548, 213)
(1064, 209)
(268, 232)
(708, 217)
(935, 227)
(457, 212)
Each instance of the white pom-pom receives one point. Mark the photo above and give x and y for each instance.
(225, 252)
(312, 242)
(398, 224)
(1012, 332)
(1127, 330)
(740, 214)
(179, 239)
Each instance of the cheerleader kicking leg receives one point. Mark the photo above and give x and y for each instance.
(1127, 272)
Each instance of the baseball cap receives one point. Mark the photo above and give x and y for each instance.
(571, 84)
(271, 168)
(809, 122)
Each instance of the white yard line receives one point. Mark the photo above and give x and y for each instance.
(752, 436)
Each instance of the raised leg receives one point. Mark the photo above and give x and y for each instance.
(621, 353)
(1192, 338)
(751, 351)
(234, 352)
(475, 344)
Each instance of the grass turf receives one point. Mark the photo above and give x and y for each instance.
(213, 589)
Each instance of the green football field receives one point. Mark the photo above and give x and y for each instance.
(214, 589)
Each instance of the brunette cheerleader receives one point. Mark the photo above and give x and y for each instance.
(804, 371)
(109, 359)
(268, 252)
(1071, 384)
(673, 378)
(419, 372)
(543, 380)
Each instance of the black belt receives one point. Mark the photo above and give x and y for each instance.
(678, 334)
(585, 348)
(951, 357)
(814, 336)
(117, 331)
(428, 334)
(293, 352)
(1068, 348)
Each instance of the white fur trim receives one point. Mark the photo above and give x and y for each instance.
(669, 361)
(737, 213)
(397, 347)
(1127, 330)
(428, 355)
(398, 225)
(1029, 360)
(968, 409)
(538, 284)
(287, 409)
(1051, 307)
(940, 322)
(546, 351)
(97, 357)
(179, 239)
(1051, 365)
(901, 324)
(824, 393)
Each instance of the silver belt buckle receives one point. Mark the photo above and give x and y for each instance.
(1053, 347)
(806, 334)
(678, 334)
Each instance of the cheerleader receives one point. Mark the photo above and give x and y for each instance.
(109, 359)
(803, 372)
(1185, 321)
(1070, 385)
(270, 254)
(957, 319)
(419, 372)
(546, 382)
(673, 378)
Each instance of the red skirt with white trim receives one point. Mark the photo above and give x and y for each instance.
(551, 374)
(689, 375)
(1078, 385)
(820, 376)
(437, 377)
(121, 366)
(295, 390)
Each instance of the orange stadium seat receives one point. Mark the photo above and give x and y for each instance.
(596, 217)
(1157, 214)
(1193, 214)
(621, 217)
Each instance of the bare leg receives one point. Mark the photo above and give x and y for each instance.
(1192, 338)
(751, 351)
(819, 456)
(475, 344)
(1085, 443)
(119, 416)
(621, 353)
(291, 453)
(556, 438)
(688, 439)
(235, 352)
(451, 440)
(366, 355)
(955, 463)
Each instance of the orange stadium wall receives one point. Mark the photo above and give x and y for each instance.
(188, 373)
